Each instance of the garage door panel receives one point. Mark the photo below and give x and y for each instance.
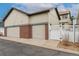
(13, 32)
(26, 31)
(38, 32)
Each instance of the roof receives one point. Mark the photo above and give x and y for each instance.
(64, 12)
(30, 14)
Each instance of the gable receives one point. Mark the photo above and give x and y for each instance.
(16, 18)
(53, 17)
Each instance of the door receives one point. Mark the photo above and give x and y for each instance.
(38, 31)
(26, 31)
(13, 32)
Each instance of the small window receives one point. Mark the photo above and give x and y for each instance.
(64, 16)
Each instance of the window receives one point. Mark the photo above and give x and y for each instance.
(64, 16)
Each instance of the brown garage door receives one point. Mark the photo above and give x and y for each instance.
(26, 31)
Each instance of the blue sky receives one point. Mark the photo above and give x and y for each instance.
(31, 7)
(4, 9)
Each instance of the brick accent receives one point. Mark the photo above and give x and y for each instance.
(5, 31)
(26, 31)
(46, 31)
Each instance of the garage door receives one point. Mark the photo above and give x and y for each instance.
(13, 32)
(38, 31)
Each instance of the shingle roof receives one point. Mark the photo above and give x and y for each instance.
(64, 12)
(30, 14)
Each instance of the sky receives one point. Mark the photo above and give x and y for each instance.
(33, 7)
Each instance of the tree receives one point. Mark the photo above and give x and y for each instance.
(72, 18)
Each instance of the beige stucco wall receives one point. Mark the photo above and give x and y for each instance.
(16, 18)
(38, 32)
(39, 18)
(13, 32)
(78, 21)
(53, 18)
(67, 20)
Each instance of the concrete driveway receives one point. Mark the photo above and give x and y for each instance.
(10, 48)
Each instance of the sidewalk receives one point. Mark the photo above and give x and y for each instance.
(50, 44)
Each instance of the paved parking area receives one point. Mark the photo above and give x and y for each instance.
(10, 48)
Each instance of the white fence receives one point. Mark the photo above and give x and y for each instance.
(58, 32)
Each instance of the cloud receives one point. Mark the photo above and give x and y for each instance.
(33, 7)
(42, 5)
(61, 7)
(73, 8)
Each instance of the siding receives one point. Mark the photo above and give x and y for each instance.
(2, 30)
(53, 18)
(78, 21)
(39, 18)
(67, 15)
(16, 18)
(67, 20)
